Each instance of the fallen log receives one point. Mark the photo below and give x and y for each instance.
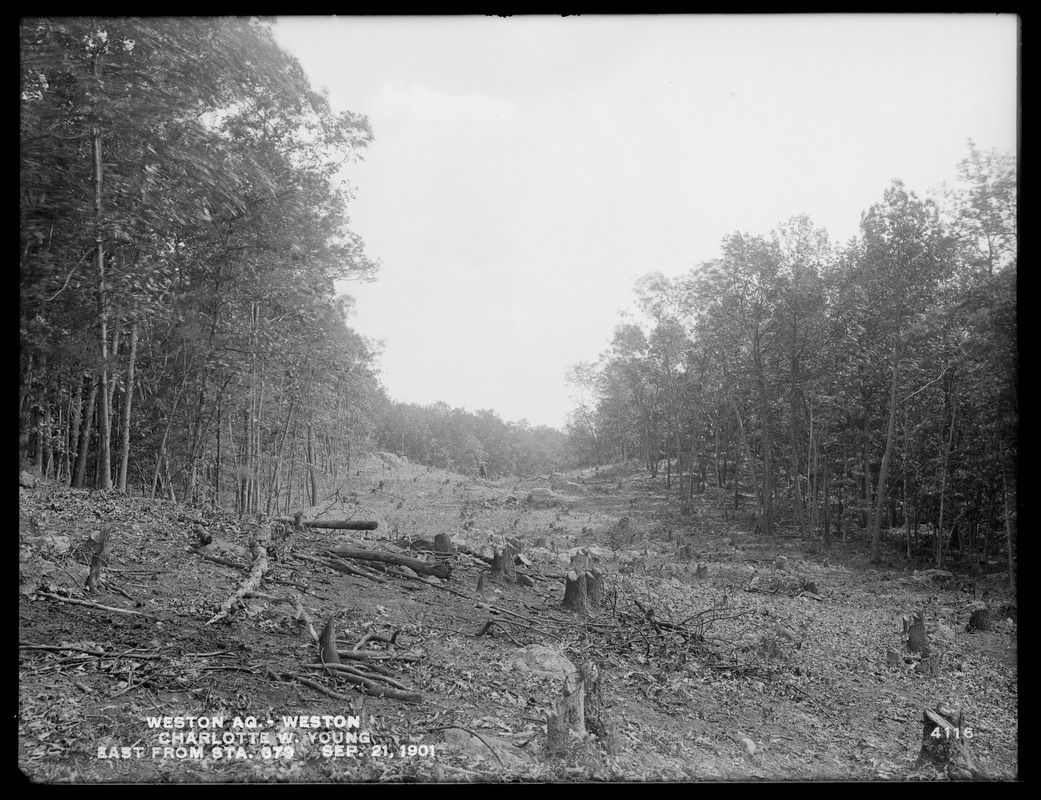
(438, 570)
(258, 545)
(333, 524)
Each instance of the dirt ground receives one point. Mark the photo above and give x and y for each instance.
(770, 663)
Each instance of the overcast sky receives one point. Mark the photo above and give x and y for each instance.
(527, 171)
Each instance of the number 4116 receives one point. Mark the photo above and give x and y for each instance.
(952, 733)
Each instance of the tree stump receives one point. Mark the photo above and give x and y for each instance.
(929, 666)
(443, 543)
(100, 557)
(503, 568)
(945, 743)
(979, 621)
(327, 642)
(580, 711)
(567, 719)
(584, 590)
(702, 571)
(917, 639)
(598, 721)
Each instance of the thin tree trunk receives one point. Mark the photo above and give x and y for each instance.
(124, 451)
(793, 435)
(883, 472)
(940, 536)
(257, 450)
(1008, 522)
(767, 519)
(104, 415)
(746, 446)
(75, 419)
(161, 455)
(312, 479)
(217, 457)
(282, 445)
(81, 455)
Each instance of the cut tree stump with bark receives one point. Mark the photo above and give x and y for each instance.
(438, 570)
(945, 743)
(917, 639)
(503, 566)
(100, 557)
(584, 590)
(443, 543)
(579, 712)
(598, 720)
(567, 720)
(328, 653)
(330, 524)
(979, 621)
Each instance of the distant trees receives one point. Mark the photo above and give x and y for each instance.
(871, 385)
(460, 440)
(182, 228)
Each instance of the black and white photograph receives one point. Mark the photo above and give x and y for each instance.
(541, 399)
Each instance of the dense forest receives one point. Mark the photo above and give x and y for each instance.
(870, 385)
(184, 229)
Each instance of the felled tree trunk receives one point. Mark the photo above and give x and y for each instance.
(331, 524)
(259, 543)
(584, 590)
(439, 570)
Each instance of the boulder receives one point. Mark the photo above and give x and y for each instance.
(27, 480)
(543, 498)
(546, 662)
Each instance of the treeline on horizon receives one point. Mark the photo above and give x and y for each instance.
(868, 385)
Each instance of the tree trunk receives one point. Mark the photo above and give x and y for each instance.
(161, 455)
(124, 449)
(104, 415)
(88, 418)
(747, 447)
(311, 477)
(883, 472)
(943, 483)
(864, 521)
(75, 420)
(1008, 522)
(766, 521)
